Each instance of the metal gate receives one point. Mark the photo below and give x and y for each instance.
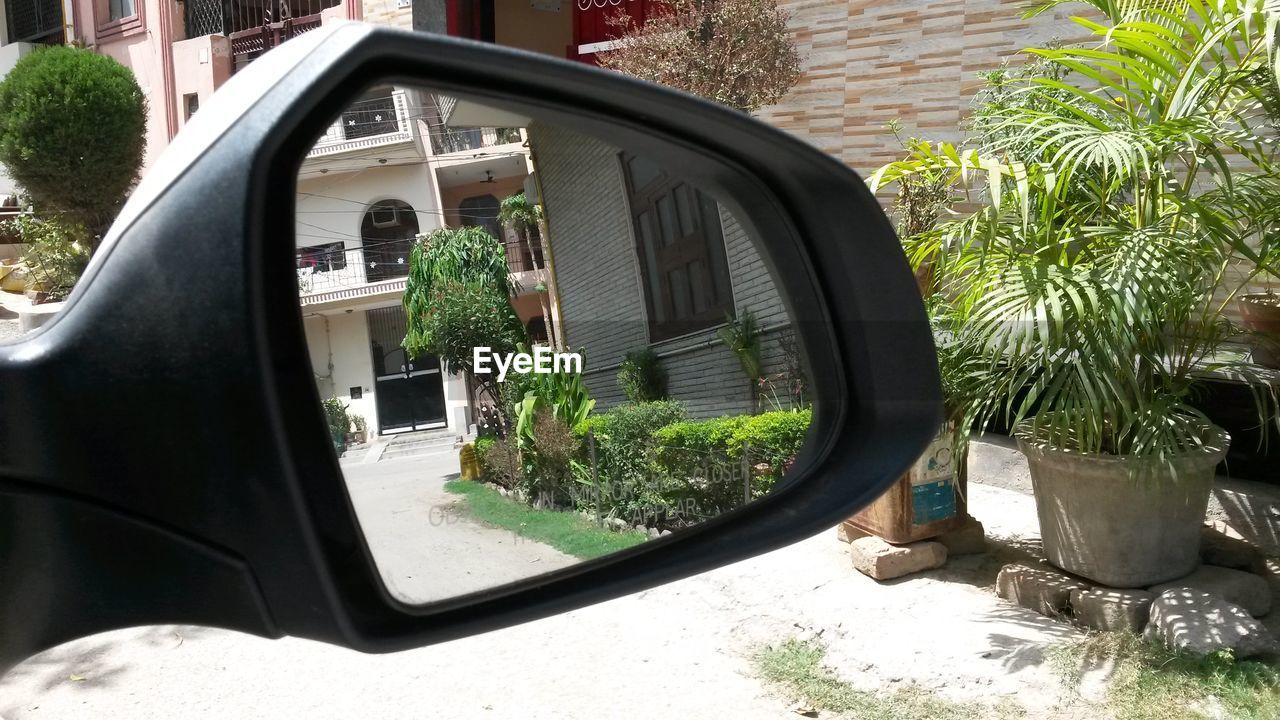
(409, 392)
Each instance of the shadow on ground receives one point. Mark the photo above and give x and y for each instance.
(92, 665)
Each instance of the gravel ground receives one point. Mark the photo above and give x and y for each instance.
(683, 649)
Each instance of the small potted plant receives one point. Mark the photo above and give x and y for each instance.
(1260, 315)
(359, 430)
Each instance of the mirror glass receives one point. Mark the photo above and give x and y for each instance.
(534, 347)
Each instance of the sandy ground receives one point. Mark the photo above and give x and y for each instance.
(680, 650)
(425, 545)
(9, 305)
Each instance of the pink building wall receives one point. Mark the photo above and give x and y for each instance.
(153, 44)
(144, 45)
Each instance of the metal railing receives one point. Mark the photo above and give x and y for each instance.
(367, 123)
(253, 26)
(520, 259)
(453, 140)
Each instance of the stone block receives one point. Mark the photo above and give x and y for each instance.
(880, 560)
(968, 539)
(1111, 609)
(1038, 587)
(1201, 623)
(1237, 587)
(846, 532)
(1223, 547)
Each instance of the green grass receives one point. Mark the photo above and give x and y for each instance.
(566, 531)
(796, 668)
(1151, 682)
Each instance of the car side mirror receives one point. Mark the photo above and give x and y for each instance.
(350, 205)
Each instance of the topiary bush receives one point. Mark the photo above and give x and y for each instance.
(72, 133)
(703, 459)
(642, 377)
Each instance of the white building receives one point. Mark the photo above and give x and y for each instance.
(385, 172)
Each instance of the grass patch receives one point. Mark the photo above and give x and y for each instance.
(566, 531)
(796, 667)
(1149, 681)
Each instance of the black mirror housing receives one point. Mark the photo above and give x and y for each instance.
(170, 462)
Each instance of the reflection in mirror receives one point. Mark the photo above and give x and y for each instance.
(534, 347)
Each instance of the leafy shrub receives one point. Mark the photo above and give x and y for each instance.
(549, 462)
(562, 393)
(72, 133)
(57, 252)
(773, 437)
(642, 377)
(481, 447)
(335, 414)
(704, 459)
(500, 462)
(630, 486)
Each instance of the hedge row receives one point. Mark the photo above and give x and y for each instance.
(654, 466)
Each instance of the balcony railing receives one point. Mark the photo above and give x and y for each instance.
(455, 140)
(520, 259)
(326, 268)
(371, 122)
(253, 26)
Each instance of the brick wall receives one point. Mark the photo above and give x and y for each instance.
(601, 300)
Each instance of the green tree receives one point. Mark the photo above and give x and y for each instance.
(72, 134)
(467, 256)
(457, 297)
(735, 52)
(463, 316)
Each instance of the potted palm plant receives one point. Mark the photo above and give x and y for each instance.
(1088, 286)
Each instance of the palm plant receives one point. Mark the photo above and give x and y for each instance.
(1129, 195)
(525, 219)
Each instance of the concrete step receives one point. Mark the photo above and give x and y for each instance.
(418, 454)
(431, 442)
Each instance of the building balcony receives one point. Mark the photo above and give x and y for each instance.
(369, 123)
(326, 268)
(472, 141)
(334, 273)
(253, 26)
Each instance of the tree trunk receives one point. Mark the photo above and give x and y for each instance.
(542, 295)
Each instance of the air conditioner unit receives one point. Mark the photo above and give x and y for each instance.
(384, 216)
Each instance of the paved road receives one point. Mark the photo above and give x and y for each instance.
(679, 651)
(426, 546)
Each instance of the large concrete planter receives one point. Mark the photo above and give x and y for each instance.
(1103, 521)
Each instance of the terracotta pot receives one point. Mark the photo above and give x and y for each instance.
(1103, 518)
(1260, 314)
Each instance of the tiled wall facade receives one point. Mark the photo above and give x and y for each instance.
(393, 13)
(867, 62)
(602, 303)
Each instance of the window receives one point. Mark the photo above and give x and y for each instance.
(322, 258)
(387, 233)
(120, 9)
(191, 103)
(680, 246)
